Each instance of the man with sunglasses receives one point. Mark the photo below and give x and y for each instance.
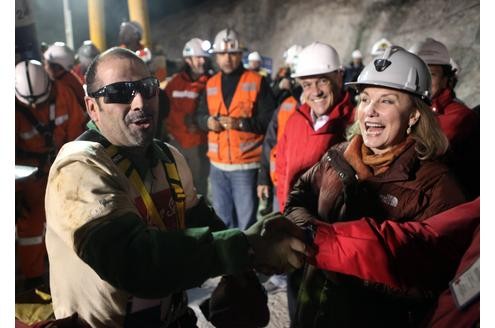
(126, 232)
(236, 111)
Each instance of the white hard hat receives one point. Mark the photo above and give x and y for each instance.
(292, 54)
(227, 41)
(254, 56)
(432, 52)
(195, 47)
(380, 46)
(60, 53)
(356, 54)
(144, 54)
(398, 69)
(317, 58)
(32, 84)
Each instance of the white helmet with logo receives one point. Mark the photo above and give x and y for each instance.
(32, 84)
(398, 69)
(195, 47)
(227, 41)
(254, 56)
(60, 53)
(380, 46)
(432, 52)
(317, 58)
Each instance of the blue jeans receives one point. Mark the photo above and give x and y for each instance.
(234, 196)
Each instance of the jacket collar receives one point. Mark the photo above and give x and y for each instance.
(337, 112)
(401, 169)
(441, 101)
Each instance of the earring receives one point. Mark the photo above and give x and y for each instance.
(408, 131)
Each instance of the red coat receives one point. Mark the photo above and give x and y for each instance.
(461, 125)
(301, 146)
(420, 255)
(183, 95)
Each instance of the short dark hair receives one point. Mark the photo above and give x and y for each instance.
(115, 52)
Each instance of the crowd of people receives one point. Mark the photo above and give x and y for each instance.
(147, 185)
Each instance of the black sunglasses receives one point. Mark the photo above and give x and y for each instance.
(124, 92)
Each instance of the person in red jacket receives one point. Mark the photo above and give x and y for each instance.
(460, 124)
(319, 123)
(410, 257)
(47, 115)
(59, 60)
(183, 92)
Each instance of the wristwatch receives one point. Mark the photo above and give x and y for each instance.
(241, 124)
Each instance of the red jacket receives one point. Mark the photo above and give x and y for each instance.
(301, 146)
(183, 95)
(71, 80)
(421, 255)
(461, 125)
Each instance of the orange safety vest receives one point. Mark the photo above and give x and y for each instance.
(183, 95)
(287, 107)
(233, 146)
(61, 116)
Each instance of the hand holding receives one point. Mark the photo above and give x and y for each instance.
(213, 124)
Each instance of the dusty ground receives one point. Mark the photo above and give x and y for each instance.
(277, 302)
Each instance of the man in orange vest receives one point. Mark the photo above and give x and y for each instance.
(238, 107)
(47, 115)
(183, 92)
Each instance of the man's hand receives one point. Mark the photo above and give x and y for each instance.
(263, 191)
(213, 124)
(278, 245)
(230, 123)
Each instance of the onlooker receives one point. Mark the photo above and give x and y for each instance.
(47, 115)
(130, 34)
(283, 84)
(388, 169)
(460, 124)
(352, 71)
(319, 122)
(183, 92)
(126, 232)
(85, 55)
(58, 61)
(238, 107)
(255, 62)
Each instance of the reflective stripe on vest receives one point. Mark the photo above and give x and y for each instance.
(212, 91)
(57, 120)
(30, 241)
(185, 94)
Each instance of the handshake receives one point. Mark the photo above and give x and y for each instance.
(278, 245)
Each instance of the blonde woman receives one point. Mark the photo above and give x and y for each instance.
(389, 168)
